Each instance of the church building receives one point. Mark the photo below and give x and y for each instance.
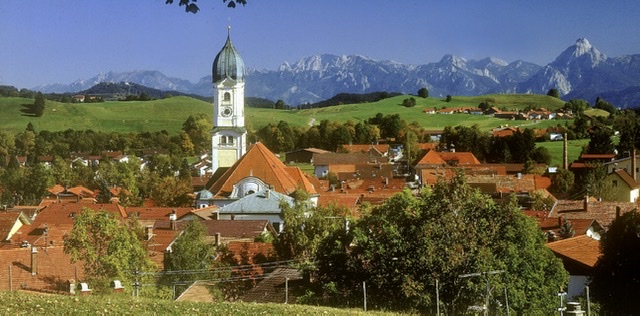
(229, 135)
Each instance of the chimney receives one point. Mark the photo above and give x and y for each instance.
(565, 154)
(268, 194)
(560, 220)
(586, 203)
(172, 220)
(634, 172)
(34, 260)
(617, 211)
(217, 239)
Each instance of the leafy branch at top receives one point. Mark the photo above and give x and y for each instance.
(191, 6)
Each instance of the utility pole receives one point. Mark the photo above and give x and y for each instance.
(364, 291)
(437, 299)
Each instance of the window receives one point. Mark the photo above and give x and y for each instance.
(227, 96)
(223, 139)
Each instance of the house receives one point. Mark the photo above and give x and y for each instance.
(627, 164)
(604, 212)
(625, 188)
(579, 255)
(551, 226)
(44, 269)
(323, 164)
(11, 222)
(225, 231)
(379, 150)
(261, 205)
(433, 165)
(303, 155)
(257, 170)
(53, 222)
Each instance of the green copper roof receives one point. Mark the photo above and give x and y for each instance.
(228, 64)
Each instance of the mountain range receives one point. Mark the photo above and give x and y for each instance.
(580, 71)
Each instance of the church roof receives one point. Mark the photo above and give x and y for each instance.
(228, 64)
(261, 163)
(261, 202)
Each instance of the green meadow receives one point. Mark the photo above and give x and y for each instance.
(169, 114)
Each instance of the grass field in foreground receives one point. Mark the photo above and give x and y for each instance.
(18, 303)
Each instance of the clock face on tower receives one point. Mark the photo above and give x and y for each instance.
(226, 111)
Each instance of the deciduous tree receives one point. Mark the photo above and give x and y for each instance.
(108, 248)
(402, 247)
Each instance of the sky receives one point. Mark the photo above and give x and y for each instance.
(46, 42)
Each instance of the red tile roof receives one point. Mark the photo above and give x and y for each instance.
(261, 163)
(54, 269)
(604, 212)
(579, 254)
(381, 148)
(236, 229)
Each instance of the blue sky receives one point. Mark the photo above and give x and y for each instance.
(62, 41)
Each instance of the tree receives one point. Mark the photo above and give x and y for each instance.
(616, 279)
(109, 249)
(553, 92)
(423, 92)
(104, 196)
(38, 105)
(562, 182)
(601, 140)
(448, 99)
(411, 148)
(409, 102)
(280, 105)
(190, 6)
(604, 105)
(190, 257)
(169, 191)
(305, 227)
(402, 247)
(198, 128)
(566, 229)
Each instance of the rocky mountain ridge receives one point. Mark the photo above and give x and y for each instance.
(580, 71)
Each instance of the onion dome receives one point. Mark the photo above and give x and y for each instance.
(228, 64)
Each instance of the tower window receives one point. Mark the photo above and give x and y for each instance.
(227, 96)
(226, 140)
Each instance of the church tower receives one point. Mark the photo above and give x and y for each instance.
(229, 135)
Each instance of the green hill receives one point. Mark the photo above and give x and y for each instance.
(169, 114)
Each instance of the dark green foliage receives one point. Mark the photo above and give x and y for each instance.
(350, 98)
(566, 230)
(402, 247)
(38, 105)
(562, 183)
(615, 281)
(465, 139)
(305, 227)
(423, 93)
(448, 99)
(553, 92)
(577, 106)
(409, 102)
(604, 105)
(104, 196)
(601, 140)
(628, 124)
(280, 105)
